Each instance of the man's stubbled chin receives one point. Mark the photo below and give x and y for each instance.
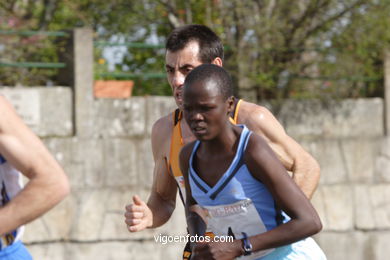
(179, 99)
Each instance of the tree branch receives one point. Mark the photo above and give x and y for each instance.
(172, 14)
(332, 19)
(311, 11)
(50, 6)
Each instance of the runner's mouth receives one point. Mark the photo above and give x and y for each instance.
(179, 96)
(197, 130)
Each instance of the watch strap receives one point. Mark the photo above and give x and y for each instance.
(246, 244)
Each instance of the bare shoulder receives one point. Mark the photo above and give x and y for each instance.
(258, 118)
(163, 125)
(161, 135)
(256, 144)
(2, 100)
(9, 116)
(5, 106)
(186, 150)
(184, 156)
(17, 140)
(258, 155)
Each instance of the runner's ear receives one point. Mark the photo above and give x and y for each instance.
(230, 104)
(217, 61)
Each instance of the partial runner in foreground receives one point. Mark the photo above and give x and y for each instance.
(21, 152)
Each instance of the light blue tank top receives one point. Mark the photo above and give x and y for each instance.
(236, 184)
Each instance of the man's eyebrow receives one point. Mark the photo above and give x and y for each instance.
(186, 66)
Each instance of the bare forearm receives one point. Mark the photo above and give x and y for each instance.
(306, 174)
(34, 200)
(195, 224)
(161, 210)
(288, 233)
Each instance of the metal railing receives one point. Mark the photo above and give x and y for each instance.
(33, 64)
(32, 33)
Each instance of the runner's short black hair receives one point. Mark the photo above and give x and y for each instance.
(210, 72)
(210, 45)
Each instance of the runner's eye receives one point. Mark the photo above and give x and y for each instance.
(206, 109)
(186, 70)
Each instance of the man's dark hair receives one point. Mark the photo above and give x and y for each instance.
(210, 72)
(210, 45)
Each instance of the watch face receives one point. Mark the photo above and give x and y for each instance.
(248, 249)
(247, 246)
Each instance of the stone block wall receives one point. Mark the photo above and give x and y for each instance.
(353, 198)
(112, 160)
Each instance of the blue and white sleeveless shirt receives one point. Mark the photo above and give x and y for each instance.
(238, 202)
(10, 184)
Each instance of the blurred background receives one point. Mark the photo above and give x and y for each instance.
(88, 77)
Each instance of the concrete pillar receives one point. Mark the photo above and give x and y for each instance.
(78, 73)
(387, 92)
(83, 83)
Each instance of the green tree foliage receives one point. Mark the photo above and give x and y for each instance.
(281, 44)
(22, 48)
(359, 51)
(275, 49)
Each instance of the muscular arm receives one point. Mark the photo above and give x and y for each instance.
(162, 199)
(304, 222)
(47, 184)
(305, 169)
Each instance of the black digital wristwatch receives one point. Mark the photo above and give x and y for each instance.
(246, 244)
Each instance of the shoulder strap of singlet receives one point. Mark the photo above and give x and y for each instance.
(2, 160)
(176, 116)
(176, 145)
(234, 113)
(174, 150)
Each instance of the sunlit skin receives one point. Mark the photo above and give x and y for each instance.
(178, 65)
(47, 183)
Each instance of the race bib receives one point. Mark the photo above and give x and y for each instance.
(233, 219)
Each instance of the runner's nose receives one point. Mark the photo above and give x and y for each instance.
(196, 116)
(178, 79)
